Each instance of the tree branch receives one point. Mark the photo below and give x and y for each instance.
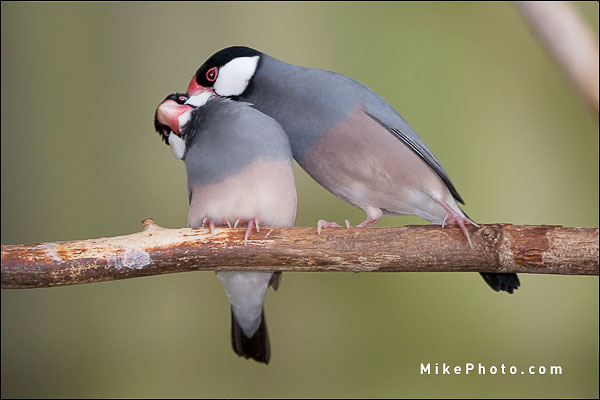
(568, 38)
(155, 250)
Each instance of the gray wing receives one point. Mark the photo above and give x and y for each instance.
(416, 144)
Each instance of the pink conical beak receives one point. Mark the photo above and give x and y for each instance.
(194, 88)
(168, 114)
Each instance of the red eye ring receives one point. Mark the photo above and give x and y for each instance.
(211, 74)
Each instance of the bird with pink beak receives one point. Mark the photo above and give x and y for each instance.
(346, 137)
(239, 170)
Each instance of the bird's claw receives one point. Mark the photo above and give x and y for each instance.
(367, 222)
(373, 215)
(252, 223)
(326, 224)
(210, 223)
(452, 217)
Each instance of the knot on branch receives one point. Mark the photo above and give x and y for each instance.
(490, 235)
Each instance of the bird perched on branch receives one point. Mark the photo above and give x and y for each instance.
(346, 137)
(239, 170)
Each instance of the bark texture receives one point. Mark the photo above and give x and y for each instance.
(155, 250)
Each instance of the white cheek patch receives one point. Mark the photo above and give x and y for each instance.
(184, 119)
(234, 76)
(177, 146)
(198, 100)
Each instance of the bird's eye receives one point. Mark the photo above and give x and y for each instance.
(211, 74)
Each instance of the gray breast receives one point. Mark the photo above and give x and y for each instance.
(223, 137)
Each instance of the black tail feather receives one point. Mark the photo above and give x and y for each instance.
(499, 281)
(257, 347)
(275, 280)
(502, 282)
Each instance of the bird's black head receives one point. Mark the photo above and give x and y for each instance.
(165, 117)
(227, 72)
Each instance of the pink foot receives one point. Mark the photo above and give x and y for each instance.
(452, 217)
(369, 221)
(373, 215)
(210, 223)
(252, 223)
(326, 224)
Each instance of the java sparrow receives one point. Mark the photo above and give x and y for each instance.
(346, 137)
(239, 169)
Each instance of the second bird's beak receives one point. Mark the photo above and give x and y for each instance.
(168, 114)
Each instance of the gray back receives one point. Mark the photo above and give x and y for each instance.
(307, 102)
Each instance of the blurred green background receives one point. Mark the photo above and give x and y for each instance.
(80, 159)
